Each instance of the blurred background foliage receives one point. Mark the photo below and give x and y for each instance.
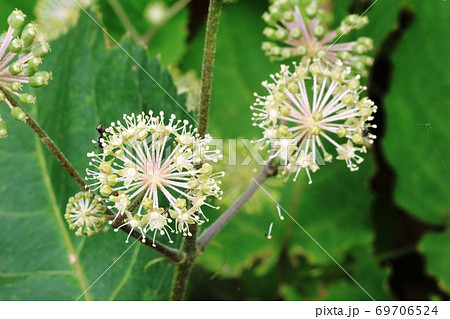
(386, 224)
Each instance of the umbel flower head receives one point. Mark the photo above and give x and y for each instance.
(20, 57)
(163, 165)
(85, 213)
(297, 28)
(309, 108)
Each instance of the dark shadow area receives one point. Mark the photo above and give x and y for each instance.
(396, 232)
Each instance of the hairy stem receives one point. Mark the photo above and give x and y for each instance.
(126, 22)
(169, 15)
(183, 270)
(209, 52)
(171, 254)
(209, 233)
(189, 247)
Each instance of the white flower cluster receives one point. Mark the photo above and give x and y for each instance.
(155, 163)
(311, 106)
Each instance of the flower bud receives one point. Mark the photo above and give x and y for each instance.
(206, 169)
(112, 180)
(19, 114)
(270, 33)
(40, 79)
(2, 96)
(16, 86)
(29, 71)
(16, 19)
(106, 190)
(319, 31)
(29, 34)
(288, 16)
(295, 33)
(147, 203)
(105, 167)
(15, 68)
(180, 203)
(16, 45)
(35, 62)
(40, 49)
(27, 98)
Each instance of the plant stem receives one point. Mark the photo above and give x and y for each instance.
(48, 142)
(169, 15)
(126, 22)
(209, 52)
(209, 233)
(183, 269)
(171, 254)
(189, 247)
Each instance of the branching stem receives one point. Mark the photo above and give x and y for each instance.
(189, 247)
(209, 233)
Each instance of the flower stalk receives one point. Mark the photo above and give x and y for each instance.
(208, 234)
(189, 247)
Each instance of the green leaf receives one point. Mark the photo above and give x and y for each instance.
(383, 18)
(42, 259)
(334, 210)
(418, 112)
(367, 273)
(436, 249)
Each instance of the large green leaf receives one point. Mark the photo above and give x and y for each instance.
(41, 258)
(436, 248)
(418, 111)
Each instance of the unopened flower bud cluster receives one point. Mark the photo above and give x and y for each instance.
(20, 58)
(298, 29)
(85, 213)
